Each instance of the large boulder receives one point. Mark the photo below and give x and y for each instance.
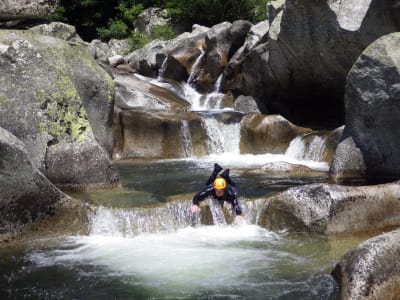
(66, 111)
(33, 9)
(261, 134)
(301, 71)
(371, 271)
(59, 30)
(26, 195)
(373, 107)
(334, 209)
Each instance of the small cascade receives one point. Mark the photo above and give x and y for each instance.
(222, 137)
(309, 147)
(166, 218)
(122, 222)
(186, 139)
(161, 71)
(217, 85)
(217, 212)
(195, 65)
(297, 148)
(316, 149)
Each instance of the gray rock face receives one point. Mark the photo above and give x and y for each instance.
(26, 195)
(371, 270)
(311, 50)
(373, 107)
(246, 104)
(54, 93)
(27, 9)
(59, 30)
(333, 209)
(150, 18)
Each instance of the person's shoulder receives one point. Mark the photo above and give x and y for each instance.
(232, 190)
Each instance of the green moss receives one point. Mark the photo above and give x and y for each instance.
(3, 99)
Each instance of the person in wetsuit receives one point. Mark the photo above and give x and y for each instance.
(221, 188)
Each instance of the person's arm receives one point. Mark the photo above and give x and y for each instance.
(235, 202)
(200, 196)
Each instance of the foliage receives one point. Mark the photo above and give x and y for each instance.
(108, 19)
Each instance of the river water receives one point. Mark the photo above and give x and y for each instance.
(144, 243)
(234, 261)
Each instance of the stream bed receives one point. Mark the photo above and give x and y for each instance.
(236, 261)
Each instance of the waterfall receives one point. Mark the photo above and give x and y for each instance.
(217, 85)
(307, 147)
(166, 218)
(195, 65)
(217, 212)
(162, 69)
(316, 149)
(186, 138)
(128, 222)
(222, 137)
(296, 148)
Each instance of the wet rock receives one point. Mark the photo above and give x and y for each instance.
(285, 168)
(69, 103)
(371, 270)
(34, 9)
(373, 108)
(148, 60)
(159, 135)
(334, 209)
(246, 104)
(267, 134)
(348, 164)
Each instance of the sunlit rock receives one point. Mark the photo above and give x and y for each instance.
(334, 209)
(267, 134)
(59, 102)
(371, 270)
(148, 19)
(33, 9)
(59, 30)
(285, 168)
(159, 135)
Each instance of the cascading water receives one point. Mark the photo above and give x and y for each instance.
(305, 148)
(222, 138)
(187, 139)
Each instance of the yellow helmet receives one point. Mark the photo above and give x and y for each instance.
(219, 183)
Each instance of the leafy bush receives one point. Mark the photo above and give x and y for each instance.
(116, 29)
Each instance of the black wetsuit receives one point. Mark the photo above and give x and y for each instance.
(229, 196)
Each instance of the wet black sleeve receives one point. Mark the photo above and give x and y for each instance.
(232, 194)
(200, 196)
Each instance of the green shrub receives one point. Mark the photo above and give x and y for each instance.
(163, 32)
(116, 29)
